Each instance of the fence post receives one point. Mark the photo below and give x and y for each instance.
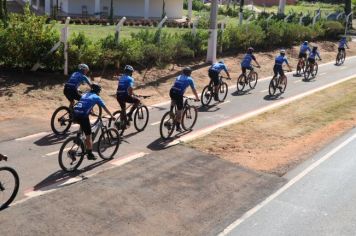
(268, 19)
(301, 19)
(314, 18)
(249, 18)
(287, 17)
(118, 29)
(327, 16)
(65, 33)
(195, 23)
(338, 16)
(160, 25)
(347, 22)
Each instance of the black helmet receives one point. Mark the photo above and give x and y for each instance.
(250, 50)
(315, 48)
(128, 70)
(95, 88)
(187, 71)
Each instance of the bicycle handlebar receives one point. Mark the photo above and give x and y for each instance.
(223, 77)
(143, 96)
(188, 98)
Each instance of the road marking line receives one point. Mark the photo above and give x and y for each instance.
(228, 101)
(285, 187)
(323, 73)
(343, 68)
(263, 91)
(32, 136)
(239, 118)
(156, 123)
(56, 152)
(127, 159)
(297, 81)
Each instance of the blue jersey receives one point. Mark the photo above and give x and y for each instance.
(125, 82)
(280, 60)
(218, 67)
(86, 104)
(313, 55)
(246, 62)
(76, 79)
(304, 48)
(181, 84)
(342, 43)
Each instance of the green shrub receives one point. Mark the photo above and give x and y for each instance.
(332, 29)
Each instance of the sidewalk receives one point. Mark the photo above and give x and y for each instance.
(178, 191)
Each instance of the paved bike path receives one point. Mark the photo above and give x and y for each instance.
(35, 158)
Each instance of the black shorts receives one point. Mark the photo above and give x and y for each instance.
(84, 123)
(277, 69)
(214, 76)
(71, 93)
(177, 99)
(246, 68)
(311, 60)
(341, 49)
(123, 99)
(302, 55)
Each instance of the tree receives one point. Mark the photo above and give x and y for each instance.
(163, 9)
(3, 11)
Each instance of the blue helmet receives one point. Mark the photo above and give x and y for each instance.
(305, 43)
(83, 67)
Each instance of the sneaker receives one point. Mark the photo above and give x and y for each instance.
(179, 129)
(91, 156)
(216, 97)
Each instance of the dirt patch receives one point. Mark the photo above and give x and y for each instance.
(278, 140)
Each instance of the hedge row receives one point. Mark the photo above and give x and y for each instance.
(28, 38)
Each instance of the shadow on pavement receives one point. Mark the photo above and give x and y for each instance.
(210, 108)
(52, 139)
(273, 98)
(241, 93)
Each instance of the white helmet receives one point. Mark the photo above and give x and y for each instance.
(283, 51)
(83, 67)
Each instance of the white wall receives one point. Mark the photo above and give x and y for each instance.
(75, 6)
(65, 5)
(173, 8)
(133, 8)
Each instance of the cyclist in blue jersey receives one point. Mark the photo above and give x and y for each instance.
(124, 94)
(312, 56)
(76, 79)
(342, 44)
(214, 72)
(81, 115)
(278, 66)
(304, 48)
(246, 62)
(177, 92)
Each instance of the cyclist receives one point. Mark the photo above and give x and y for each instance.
(76, 79)
(124, 94)
(342, 44)
(312, 56)
(278, 66)
(177, 92)
(81, 115)
(246, 62)
(304, 48)
(214, 72)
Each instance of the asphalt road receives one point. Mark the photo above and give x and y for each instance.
(35, 157)
(319, 200)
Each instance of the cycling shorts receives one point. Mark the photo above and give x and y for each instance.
(302, 55)
(341, 49)
(214, 76)
(278, 69)
(125, 98)
(246, 68)
(71, 93)
(84, 123)
(177, 99)
(311, 60)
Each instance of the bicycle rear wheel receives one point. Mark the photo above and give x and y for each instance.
(272, 86)
(241, 83)
(307, 74)
(338, 58)
(222, 92)
(141, 118)
(71, 154)
(315, 70)
(108, 143)
(9, 186)
(189, 119)
(342, 59)
(167, 125)
(300, 68)
(283, 84)
(206, 95)
(119, 124)
(61, 120)
(252, 80)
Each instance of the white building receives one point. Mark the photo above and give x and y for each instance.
(129, 8)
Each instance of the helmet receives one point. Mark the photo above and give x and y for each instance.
(315, 48)
(250, 50)
(305, 42)
(128, 69)
(83, 67)
(187, 71)
(221, 61)
(283, 51)
(95, 88)
(343, 37)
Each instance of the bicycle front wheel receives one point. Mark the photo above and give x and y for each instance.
(252, 81)
(71, 154)
(206, 95)
(61, 120)
(9, 186)
(167, 125)
(119, 124)
(108, 143)
(189, 118)
(141, 118)
(307, 74)
(272, 86)
(223, 90)
(283, 85)
(315, 70)
(241, 83)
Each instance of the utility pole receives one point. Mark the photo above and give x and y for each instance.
(213, 32)
(241, 16)
(282, 5)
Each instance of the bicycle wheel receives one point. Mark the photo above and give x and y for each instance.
(167, 125)
(190, 116)
(315, 70)
(300, 68)
(283, 85)
(9, 186)
(338, 58)
(61, 120)
(307, 74)
(342, 59)
(272, 86)
(71, 154)
(222, 92)
(108, 143)
(141, 118)
(95, 115)
(119, 124)
(241, 83)
(206, 95)
(252, 81)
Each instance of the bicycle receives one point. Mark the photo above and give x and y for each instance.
(301, 66)
(208, 91)
(73, 150)
(168, 121)
(311, 71)
(340, 58)
(277, 82)
(9, 184)
(63, 116)
(141, 116)
(250, 79)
